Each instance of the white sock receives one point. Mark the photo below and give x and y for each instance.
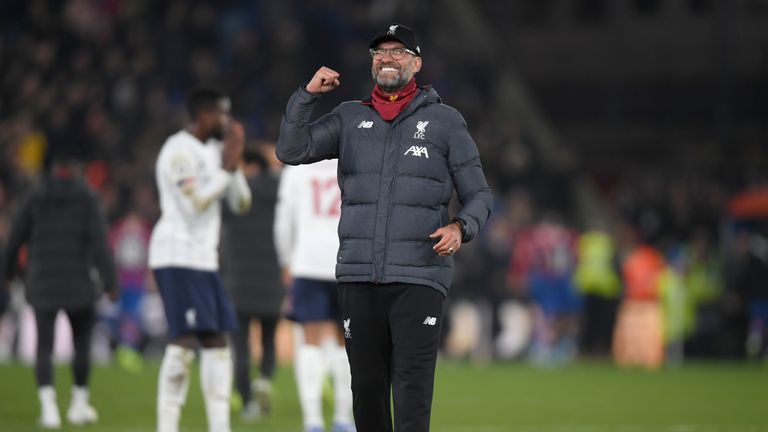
(262, 384)
(47, 395)
(310, 372)
(216, 381)
(80, 412)
(79, 396)
(342, 386)
(49, 410)
(172, 387)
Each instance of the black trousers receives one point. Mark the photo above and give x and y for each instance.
(597, 324)
(391, 335)
(82, 321)
(241, 342)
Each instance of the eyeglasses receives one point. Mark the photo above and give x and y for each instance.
(395, 53)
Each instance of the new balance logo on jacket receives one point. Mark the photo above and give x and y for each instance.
(430, 321)
(365, 125)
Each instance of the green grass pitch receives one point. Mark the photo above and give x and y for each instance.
(586, 397)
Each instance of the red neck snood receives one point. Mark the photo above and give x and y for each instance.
(390, 106)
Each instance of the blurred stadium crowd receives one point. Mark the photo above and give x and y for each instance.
(567, 263)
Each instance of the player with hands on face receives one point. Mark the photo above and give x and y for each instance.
(197, 168)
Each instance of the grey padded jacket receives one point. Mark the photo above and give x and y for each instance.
(396, 181)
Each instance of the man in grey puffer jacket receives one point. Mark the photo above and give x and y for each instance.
(402, 153)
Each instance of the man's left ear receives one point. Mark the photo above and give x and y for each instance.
(417, 64)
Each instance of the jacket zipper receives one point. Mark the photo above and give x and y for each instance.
(389, 208)
(378, 275)
(392, 131)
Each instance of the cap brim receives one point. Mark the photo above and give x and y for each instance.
(385, 38)
(388, 38)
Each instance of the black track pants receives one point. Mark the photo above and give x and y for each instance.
(82, 327)
(391, 334)
(241, 342)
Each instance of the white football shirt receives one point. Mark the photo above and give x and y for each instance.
(307, 219)
(191, 183)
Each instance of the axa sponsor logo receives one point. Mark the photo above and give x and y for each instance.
(417, 151)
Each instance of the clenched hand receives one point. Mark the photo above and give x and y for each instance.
(325, 80)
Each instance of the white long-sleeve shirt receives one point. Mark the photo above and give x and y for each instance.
(307, 220)
(191, 183)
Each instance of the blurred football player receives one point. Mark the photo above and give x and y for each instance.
(196, 168)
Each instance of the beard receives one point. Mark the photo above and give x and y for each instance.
(394, 83)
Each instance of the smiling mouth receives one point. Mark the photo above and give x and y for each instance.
(388, 69)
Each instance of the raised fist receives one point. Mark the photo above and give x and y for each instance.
(325, 80)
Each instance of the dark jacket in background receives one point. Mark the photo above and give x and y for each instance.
(5, 295)
(249, 267)
(65, 231)
(396, 181)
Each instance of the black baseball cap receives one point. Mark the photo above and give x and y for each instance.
(400, 33)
